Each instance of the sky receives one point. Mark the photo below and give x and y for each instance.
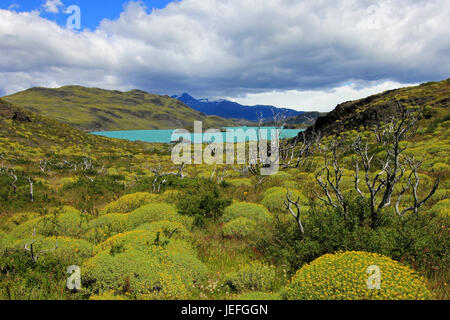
(301, 54)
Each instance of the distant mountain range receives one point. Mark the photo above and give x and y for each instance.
(234, 110)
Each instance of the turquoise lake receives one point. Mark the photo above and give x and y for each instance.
(236, 134)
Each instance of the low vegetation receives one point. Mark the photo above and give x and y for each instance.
(343, 209)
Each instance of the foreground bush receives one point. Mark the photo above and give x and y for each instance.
(255, 276)
(144, 265)
(344, 276)
(258, 295)
(129, 203)
(156, 212)
(250, 211)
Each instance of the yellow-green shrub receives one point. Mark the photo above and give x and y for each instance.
(167, 227)
(70, 224)
(106, 296)
(135, 264)
(69, 251)
(17, 219)
(275, 197)
(258, 295)
(106, 226)
(250, 211)
(130, 271)
(240, 182)
(241, 228)
(156, 212)
(442, 208)
(255, 276)
(344, 276)
(129, 202)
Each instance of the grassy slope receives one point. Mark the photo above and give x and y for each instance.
(25, 134)
(102, 110)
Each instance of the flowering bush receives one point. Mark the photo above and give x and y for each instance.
(156, 212)
(145, 265)
(344, 276)
(129, 202)
(250, 211)
(255, 276)
(258, 295)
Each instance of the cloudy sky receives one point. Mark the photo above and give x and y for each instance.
(308, 55)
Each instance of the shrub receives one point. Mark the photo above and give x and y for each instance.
(17, 219)
(258, 295)
(131, 271)
(442, 208)
(250, 211)
(175, 229)
(106, 296)
(254, 276)
(106, 226)
(241, 182)
(134, 263)
(129, 203)
(241, 228)
(202, 200)
(61, 222)
(156, 212)
(274, 198)
(344, 276)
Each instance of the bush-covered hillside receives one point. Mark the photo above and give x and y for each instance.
(104, 110)
(341, 210)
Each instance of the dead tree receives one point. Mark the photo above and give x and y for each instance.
(332, 172)
(296, 214)
(219, 176)
(35, 254)
(299, 150)
(391, 167)
(31, 181)
(43, 165)
(13, 175)
(413, 182)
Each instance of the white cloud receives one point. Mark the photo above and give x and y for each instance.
(52, 6)
(317, 100)
(13, 6)
(231, 48)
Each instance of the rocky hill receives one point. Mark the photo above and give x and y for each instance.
(432, 97)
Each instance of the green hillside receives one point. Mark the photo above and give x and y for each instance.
(95, 109)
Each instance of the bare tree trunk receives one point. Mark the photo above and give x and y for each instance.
(30, 181)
